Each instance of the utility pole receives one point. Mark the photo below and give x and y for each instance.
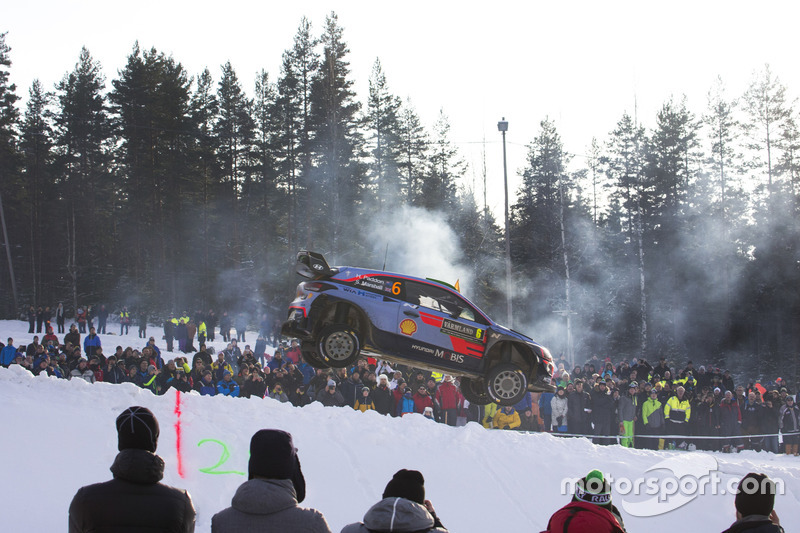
(502, 127)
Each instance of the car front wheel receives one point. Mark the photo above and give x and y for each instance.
(474, 390)
(338, 346)
(506, 383)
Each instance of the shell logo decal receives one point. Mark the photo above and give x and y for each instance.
(408, 327)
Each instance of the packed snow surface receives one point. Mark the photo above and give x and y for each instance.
(59, 435)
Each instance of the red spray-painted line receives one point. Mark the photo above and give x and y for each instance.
(178, 431)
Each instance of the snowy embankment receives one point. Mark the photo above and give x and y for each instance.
(59, 435)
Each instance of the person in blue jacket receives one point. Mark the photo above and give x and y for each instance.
(228, 387)
(406, 403)
(91, 343)
(8, 353)
(546, 410)
(206, 386)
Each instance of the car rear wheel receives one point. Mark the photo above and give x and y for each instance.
(338, 346)
(474, 390)
(506, 383)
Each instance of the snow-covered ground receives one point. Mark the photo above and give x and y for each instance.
(58, 435)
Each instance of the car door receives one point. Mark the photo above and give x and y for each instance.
(444, 323)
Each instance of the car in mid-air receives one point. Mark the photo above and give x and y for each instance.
(342, 312)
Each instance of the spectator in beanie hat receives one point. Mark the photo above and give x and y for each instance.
(137, 470)
(590, 509)
(755, 502)
(402, 509)
(268, 500)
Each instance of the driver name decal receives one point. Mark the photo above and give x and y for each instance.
(457, 329)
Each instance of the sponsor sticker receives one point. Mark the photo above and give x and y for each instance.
(463, 331)
(408, 327)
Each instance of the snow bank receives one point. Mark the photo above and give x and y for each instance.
(60, 435)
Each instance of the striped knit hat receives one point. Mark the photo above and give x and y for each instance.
(593, 489)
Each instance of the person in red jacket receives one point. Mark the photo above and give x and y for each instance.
(449, 400)
(590, 510)
(422, 399)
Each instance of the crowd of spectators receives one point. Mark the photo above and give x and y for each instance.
(631, 403)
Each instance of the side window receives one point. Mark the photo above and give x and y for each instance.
(440, 300)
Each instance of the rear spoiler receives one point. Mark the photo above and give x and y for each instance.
(312, 265)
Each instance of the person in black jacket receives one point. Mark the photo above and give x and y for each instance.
(119, 504)
(603, 414)
(755, 506)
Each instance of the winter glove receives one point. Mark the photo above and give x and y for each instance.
(560, 419)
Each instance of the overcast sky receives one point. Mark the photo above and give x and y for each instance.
(581, 63)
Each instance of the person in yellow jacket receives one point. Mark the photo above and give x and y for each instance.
(490, 410)
(653, 420)
(364, 402)
(677, 412)
(507, 418)
(202, 331)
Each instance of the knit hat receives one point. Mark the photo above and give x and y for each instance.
(593, 489)
(755, 495)
(137, 428)
(408, 484)
(273, 456)
(331, 383)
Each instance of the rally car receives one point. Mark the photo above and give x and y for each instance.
(341, 312)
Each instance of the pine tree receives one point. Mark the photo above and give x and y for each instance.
(36, 144)
(205, 168)
(150, 102)
(384, 129)
(234, 132)
(767, 112)
(445, 166)
(10, 209)
(414, 145)
(83, 135)
(340, 187)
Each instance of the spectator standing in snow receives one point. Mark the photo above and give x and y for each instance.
(449, 401)
(241, 326)
(602, 413)
(627, 408)
(402, 509)
(268, 500)
(755, 506)
(60, 317)
(590, 509)
(382, 396)
(506, 418)
(546, 410)
(8, 353)
(134, 499)
(124, 321)
(789, 424)
(559, 406)
(102, 319)
(91, 343)
(329, 396)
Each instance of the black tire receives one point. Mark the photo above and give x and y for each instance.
(338, 346)
(311, 357)
(474, 390)
(506, 383)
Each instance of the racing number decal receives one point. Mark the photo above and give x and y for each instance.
(396, 288)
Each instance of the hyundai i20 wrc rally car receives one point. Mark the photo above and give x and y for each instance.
(342, 312)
